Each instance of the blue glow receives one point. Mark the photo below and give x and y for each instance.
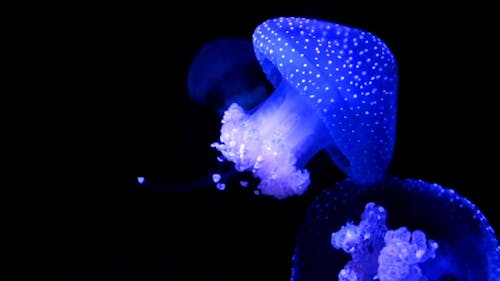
(467, 249)
(221, 186)
(377, 252)
(200, 183)
(224, 71)
(335, 89)
(140, 180)
(216, 178)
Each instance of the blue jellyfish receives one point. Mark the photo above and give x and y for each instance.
(225, 70)
(335, 90)
(397, 229)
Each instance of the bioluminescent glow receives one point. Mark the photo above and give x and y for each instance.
(466, 246)
(200, 183)
(225, 71)
(140, 180)
(335, 89)
(379, 253)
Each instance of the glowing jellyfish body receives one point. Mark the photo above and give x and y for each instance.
(466, 247)
(380, 253)
(335, 89)
(224, 71)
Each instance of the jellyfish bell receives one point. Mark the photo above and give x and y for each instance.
(225, 71)
(335, 90)
(450, 238)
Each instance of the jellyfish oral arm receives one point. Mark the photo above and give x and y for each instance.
(382, 254)
(275, 141)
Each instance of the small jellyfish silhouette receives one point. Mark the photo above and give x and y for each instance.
(335, 90)
(409, 230)
(225, 70)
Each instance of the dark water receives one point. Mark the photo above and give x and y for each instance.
(102, 98)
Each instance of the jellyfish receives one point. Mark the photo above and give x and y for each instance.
(409, 229)
(335, 89)
(225, 70)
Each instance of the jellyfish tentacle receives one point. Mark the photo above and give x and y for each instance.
(274, 149)
(217, 179)
(182, 187)
(380, 253)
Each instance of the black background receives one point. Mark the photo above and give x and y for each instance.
(102, 98)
